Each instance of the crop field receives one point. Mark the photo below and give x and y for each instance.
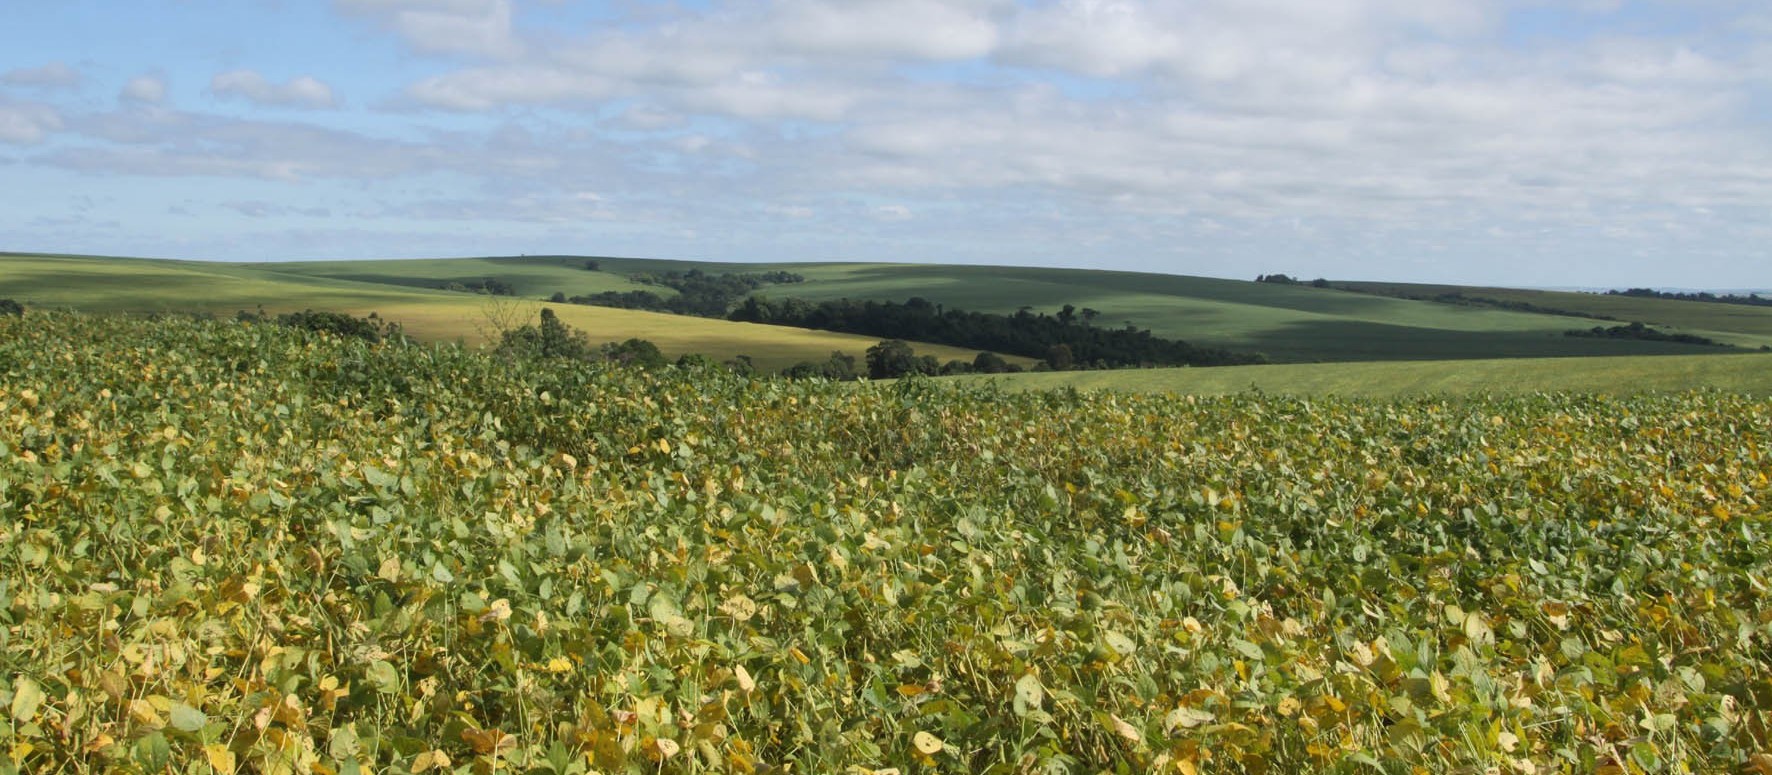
(1287, 323)
(237, 547)
(102, 284)
(1749, 373)
(1751, 325)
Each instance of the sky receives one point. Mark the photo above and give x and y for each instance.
(1596, 143)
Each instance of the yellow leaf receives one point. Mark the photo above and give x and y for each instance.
(1288, 707)
(745, 682)
(220, 758)
(499, 611)
(926, 744)
(488, 741)
(430, 760)
(1124, 729)
(26, 698)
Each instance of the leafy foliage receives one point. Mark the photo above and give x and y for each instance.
(548, 339)
(1752, 299)
(1637, 330)
(698, 293)
(1023, 333)
(244, 547)
(11, 308)
(369, 329)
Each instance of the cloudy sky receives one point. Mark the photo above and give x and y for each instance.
(1525, 142)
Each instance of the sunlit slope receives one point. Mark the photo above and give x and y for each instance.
(149, 285)
(1288, 323)
(1734, 323)
(1746, 373)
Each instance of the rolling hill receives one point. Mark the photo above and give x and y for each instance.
(103, 284)
(1295, 324)
(1367, 337)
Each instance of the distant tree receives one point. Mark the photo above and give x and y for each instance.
(989, 363)
(11, 308)
(840, 366)
(1067, 314)
(635, 352)
(1320, 283)
(552, 338)
(559, 297)
(891, 358)
(742, 365)
(335, 323)
(592, 265)
(1089, 315)
(1059, 357)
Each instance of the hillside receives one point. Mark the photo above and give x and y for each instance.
(1734, 323)
(103, 284)
(1749, 373)
(1287, 323)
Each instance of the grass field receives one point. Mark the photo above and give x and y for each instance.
(1746, 373)
(1735, 323)
(1287, 323)
(248, 548)
(1291, 324)
(102, 284)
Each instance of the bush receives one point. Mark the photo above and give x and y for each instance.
(337, 324)
(550, 339)
(10, 307)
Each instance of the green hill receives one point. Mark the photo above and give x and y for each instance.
(1288, 323)
(1297, 324)
(1749, 373)
(103, 284)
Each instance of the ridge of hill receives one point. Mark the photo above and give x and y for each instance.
(136, 285)
(1288, 323)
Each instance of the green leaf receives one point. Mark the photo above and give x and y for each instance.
(185, 718)
(384, 677)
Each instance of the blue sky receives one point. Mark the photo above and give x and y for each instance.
(1525, 142)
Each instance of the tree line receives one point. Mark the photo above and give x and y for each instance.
(1062, 341)
(698, 293)
(1752, 299)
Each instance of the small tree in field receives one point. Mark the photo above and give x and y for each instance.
(12, 308)
(891, 358)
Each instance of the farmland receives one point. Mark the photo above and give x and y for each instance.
(120, 285)
(1287, 323)
(248, 546)
(1749, 373)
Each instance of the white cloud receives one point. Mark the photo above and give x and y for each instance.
(1134, 127)
(144, 89)
(487, 88)
(892, 213)
(890, 29)
(797, 212)
(472, 27)
(27, 123)
(54, 75)
(301, 92)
